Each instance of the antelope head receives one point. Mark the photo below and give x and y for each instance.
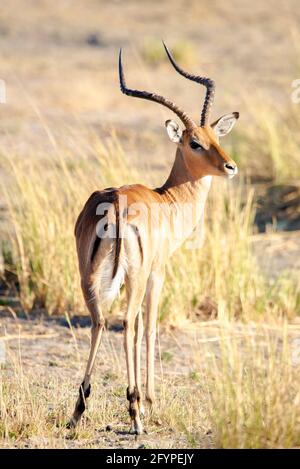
(199, 144)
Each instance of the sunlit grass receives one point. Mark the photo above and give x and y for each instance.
(252, 388)
(45, 198)
(268, 144)
(243, 390)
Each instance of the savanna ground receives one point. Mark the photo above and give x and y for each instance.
(229, 335)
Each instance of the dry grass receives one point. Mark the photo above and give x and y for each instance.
(239, 391)
(43, 226)
(31, 412)
(252, 388)
(269, 144)
(43, 210)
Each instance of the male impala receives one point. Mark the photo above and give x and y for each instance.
(116, 245)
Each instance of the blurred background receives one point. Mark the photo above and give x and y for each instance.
(67, 130)
(62, 59)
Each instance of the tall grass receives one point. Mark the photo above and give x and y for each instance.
(45, 196)
(44, 199)
(223, 268)
(268, 145)
(243, 390)
(252, 388)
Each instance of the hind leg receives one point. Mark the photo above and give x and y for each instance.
(96, 333)
(154, 287)
(135, 294)
(139, 332)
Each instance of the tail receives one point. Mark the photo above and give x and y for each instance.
(108, 196)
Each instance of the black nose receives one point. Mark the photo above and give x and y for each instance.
(229, 166)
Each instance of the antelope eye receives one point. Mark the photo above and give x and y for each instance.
(195, 145)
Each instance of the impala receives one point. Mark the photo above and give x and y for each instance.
(117, 245)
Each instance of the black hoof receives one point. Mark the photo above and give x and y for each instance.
(71, 424)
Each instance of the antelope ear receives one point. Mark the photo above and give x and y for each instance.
(174, 131)
(224, 124)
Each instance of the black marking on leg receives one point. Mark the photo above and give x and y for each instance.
(133, 397)
(83, 395)
(132, 412)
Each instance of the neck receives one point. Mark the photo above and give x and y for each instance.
(186, 194)
(182, 182)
